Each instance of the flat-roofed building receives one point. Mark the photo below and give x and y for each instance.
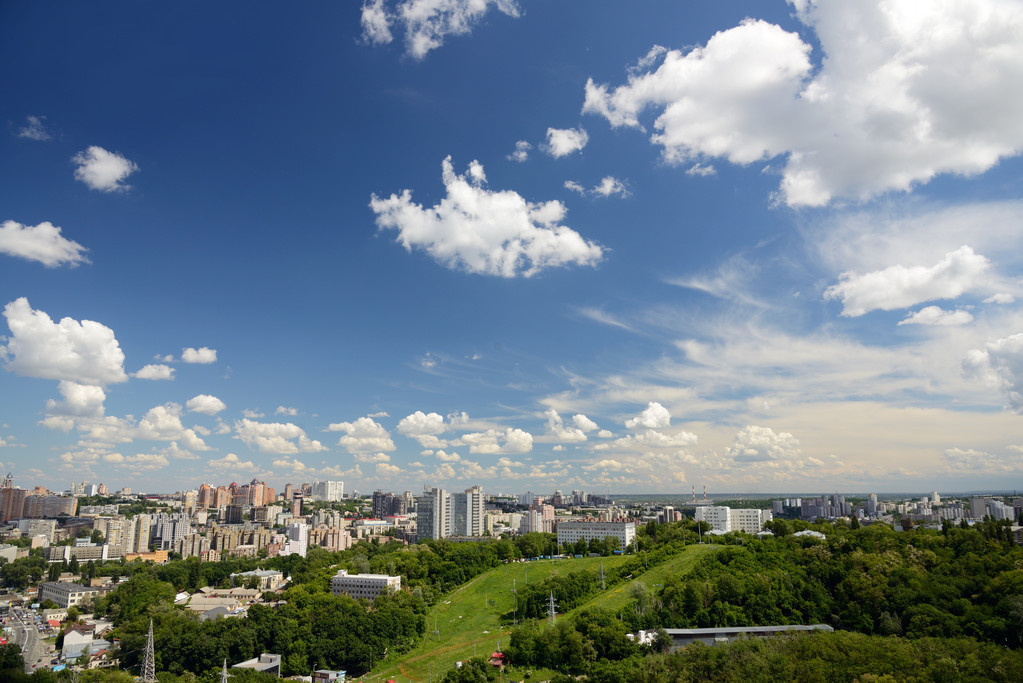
(266, 663)
(65, 594)
(366, 586)
(574, 531)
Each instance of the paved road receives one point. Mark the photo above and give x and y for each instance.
(26, 634)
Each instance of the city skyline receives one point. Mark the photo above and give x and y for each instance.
(757, 246)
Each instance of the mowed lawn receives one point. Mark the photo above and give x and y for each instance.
(469, 618)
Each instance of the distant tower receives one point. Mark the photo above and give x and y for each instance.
(7, 482)
(149, 658)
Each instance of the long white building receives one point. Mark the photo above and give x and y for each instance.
(724, 519)
(366, 586)
(572, 532)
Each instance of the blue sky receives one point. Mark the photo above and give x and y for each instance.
(757, 246)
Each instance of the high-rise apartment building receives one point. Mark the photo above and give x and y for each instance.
(467, 512)
(433, 510)
(204, 500)
(298, 538)
(221, 497)
(12, 500)
(49, 506)
(331, 491)
(139, 534)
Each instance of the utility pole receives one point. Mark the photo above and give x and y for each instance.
(515, 604)
(223, 673)
(602, 586)
(551, 609)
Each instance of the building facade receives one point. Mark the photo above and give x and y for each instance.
(574, 531)
(367, 586)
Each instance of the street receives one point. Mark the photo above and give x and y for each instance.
(26, 634)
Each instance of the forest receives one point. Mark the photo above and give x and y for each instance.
(909, 591)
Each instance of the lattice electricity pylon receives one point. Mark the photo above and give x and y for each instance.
(149, 658)
(223, 673)
(552, 609)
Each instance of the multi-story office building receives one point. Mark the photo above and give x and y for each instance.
(366, 586)
(65, 594)
(724, 519)
(750, 520)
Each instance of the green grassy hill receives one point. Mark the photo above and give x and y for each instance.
(469, 620)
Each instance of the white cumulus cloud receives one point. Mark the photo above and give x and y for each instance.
(494, 442)
(163, 423)
(564, 141)
(376, 23)
(609, 185)
(275, 437)
(85, 352)
(80, 400)
(202, 355)
(484, 231)
(155, 371)
(655, 416)
(1000, 365)
(363, 436)
(232, 463)
(424, 428)
(556, 427)
(903, 286)
(760, 444)
(42, 243)
(937, 316)
(902, 91)
(584, 423)
(205, 404)
(102, 170)
(521, 152)
(428, 22)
